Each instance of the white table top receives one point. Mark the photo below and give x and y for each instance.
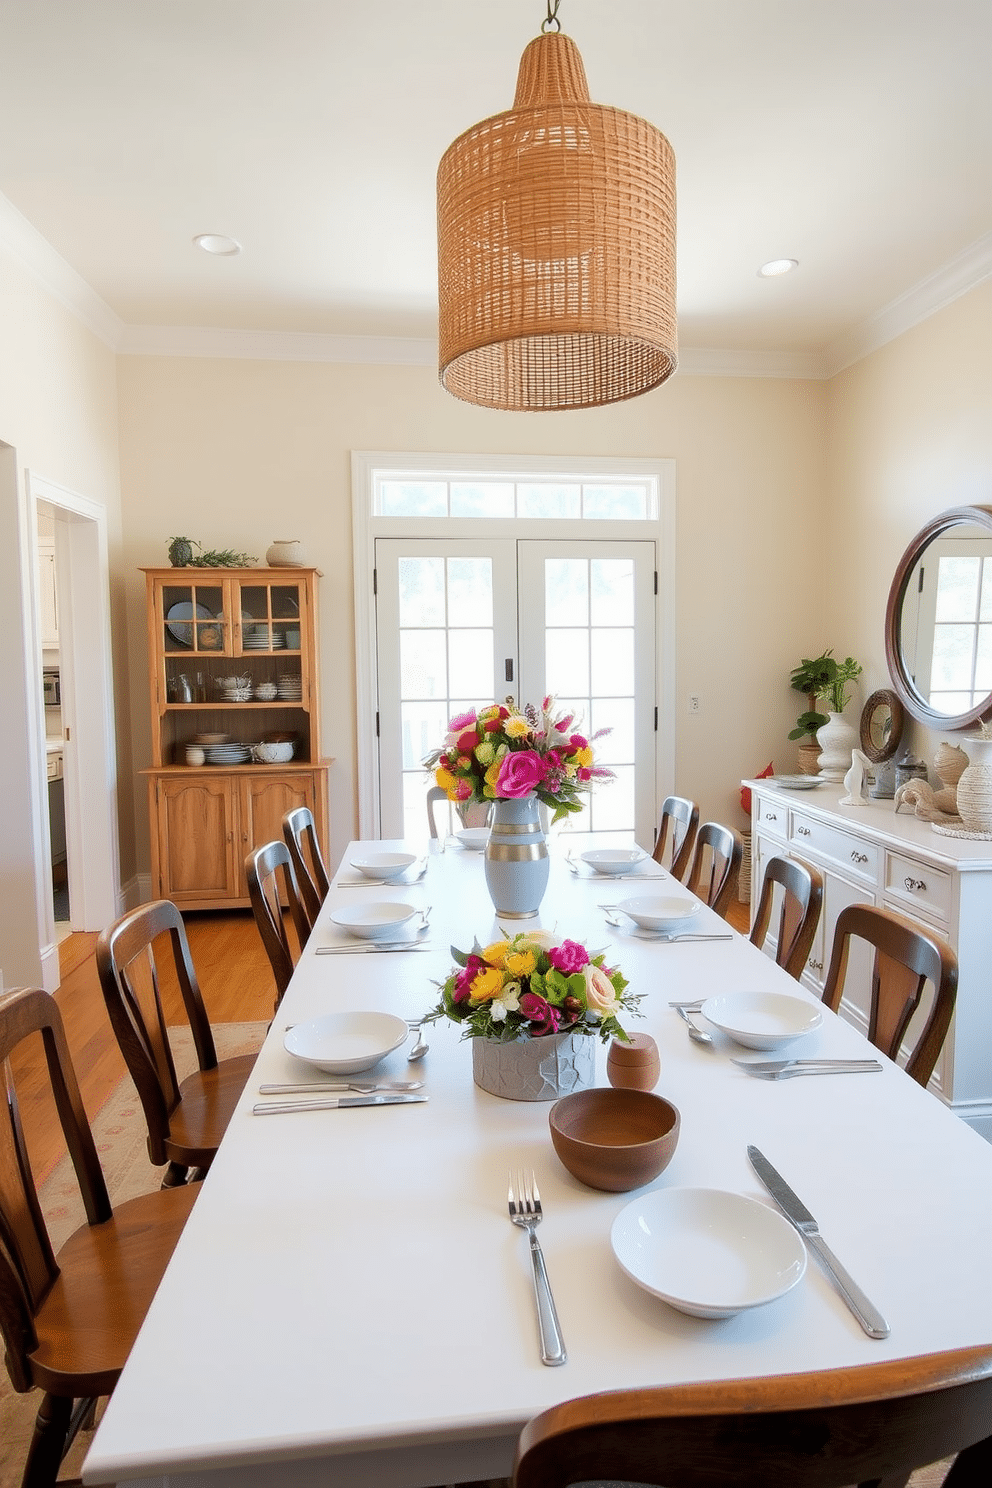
(349, 1289)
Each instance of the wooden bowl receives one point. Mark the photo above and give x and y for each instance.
(614, 1139)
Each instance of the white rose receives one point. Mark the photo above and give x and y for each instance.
(601, 996)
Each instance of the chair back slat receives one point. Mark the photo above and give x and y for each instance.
(300, 835)
(676, 834)
(27, 1263)
(801, 889)
(906, 958)
(270, 875)
(134, 956)
(715, 867)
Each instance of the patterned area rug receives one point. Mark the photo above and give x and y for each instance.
(119, 1133)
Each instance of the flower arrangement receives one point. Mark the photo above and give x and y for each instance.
(505, 752)
(533, 985)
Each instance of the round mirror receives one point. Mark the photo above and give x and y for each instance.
(881, 726)
(938, 624)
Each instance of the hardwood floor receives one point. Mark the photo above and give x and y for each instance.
(236, 982)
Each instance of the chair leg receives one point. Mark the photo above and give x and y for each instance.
(972, 1468)
(48, 1444)
(175, 1175)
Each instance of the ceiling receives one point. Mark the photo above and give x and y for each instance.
(852, 135)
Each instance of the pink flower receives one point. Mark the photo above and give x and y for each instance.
(467, 975)
(519, 774)
(539, 1012)
(462, 721)
(467, 741)
(578, 742)
(463, 789)
(568, 958)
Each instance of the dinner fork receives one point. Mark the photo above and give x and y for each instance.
(524, 1205)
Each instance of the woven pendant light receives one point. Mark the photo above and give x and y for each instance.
(556, 247)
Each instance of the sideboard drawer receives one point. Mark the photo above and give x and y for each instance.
(854, 854)
(772, 817)
(918, 884)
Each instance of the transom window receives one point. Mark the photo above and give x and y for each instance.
(530, 497)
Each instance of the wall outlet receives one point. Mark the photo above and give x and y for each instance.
(694, 702)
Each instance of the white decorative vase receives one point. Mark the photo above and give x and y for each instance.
(837, 741)
(517, 862)
(286, 553)
(975, 786)
(535, 1069)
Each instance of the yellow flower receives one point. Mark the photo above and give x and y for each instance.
(446, 781)
(516, 726)
(521, 963)
(495, 954)
(492, 774)
(486, 985)
(583, 757)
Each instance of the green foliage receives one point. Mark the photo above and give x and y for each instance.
(181, 555)
(822, 678)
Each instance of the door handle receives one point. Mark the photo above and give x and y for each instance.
(508, 668)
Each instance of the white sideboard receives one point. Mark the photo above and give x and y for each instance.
(872, 855)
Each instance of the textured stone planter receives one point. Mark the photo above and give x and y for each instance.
(535, 1069)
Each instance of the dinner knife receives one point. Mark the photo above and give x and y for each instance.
(796, 1212)
(784, 1069)
(319, 1087)
(360, 950)
(278, 1108)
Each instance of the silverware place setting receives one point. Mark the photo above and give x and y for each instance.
(323, 1087)
(332, 1102)
(524, 1204)
(664, 935)
(359, 947)
(383, 883)
(785, 1069)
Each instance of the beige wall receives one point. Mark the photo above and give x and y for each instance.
(909, 434)
(237, 453)
(58, 419)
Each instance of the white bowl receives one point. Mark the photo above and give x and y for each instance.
(383, 865)
(661, 911)
(473, 838)
(707, 1252)
(273, 753)
(762, 1020)
(377, 921)
(345, 1043)
(613, 860)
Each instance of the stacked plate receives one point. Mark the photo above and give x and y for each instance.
(290, 687)
(257, 638)
(228, 754)
(211, 739)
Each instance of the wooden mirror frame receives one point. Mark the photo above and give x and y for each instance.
(879, 700)
(956, 516)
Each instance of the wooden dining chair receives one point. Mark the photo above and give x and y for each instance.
(435, 797)
(300, 836)
(186, 1120)
(271, 880)
(677, 833)
(905, 960)
(801, 897)
(871, 1425)
(716, 863)
(69, 1321)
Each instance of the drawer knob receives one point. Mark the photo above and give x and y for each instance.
(814, 965)
(915, 883)
(802, 831)
(857, 857)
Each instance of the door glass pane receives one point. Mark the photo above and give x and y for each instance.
(612, 662)
(470, 662)
(957, 588)
(983, 662)
(566, 591)
(423, 668)
(617, 715)
(423, 726)
(612, 591)
(567, 662)
(421, 600)
(470, 591)
(951, 657)
(612, 804)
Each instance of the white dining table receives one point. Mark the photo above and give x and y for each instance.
(350, 1303)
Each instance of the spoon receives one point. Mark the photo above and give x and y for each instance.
(695, 1032)
(420, 1047)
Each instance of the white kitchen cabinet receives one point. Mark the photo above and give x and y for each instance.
(871, 855)
(48, 594)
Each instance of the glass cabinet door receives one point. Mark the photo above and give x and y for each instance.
(194, 619)
(270, 617)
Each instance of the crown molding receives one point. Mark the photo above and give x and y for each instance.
(36, 256)
(963, 273)
(49, 269)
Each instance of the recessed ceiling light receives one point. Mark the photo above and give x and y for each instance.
(217, 243)
(778, 266)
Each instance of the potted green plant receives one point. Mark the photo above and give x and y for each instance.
(812, 677)
(823, 679)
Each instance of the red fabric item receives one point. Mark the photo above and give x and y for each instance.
(746, 794)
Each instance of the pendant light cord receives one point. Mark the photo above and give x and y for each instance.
(551, 21)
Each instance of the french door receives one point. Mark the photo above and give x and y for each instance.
(462, 623)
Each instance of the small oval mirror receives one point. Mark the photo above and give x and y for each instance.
(881, 726)
(938, 623)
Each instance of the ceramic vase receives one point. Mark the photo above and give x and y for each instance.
(535, 1069)
(975, 786)
(837, 741)
(517, 862)
(285, 553)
